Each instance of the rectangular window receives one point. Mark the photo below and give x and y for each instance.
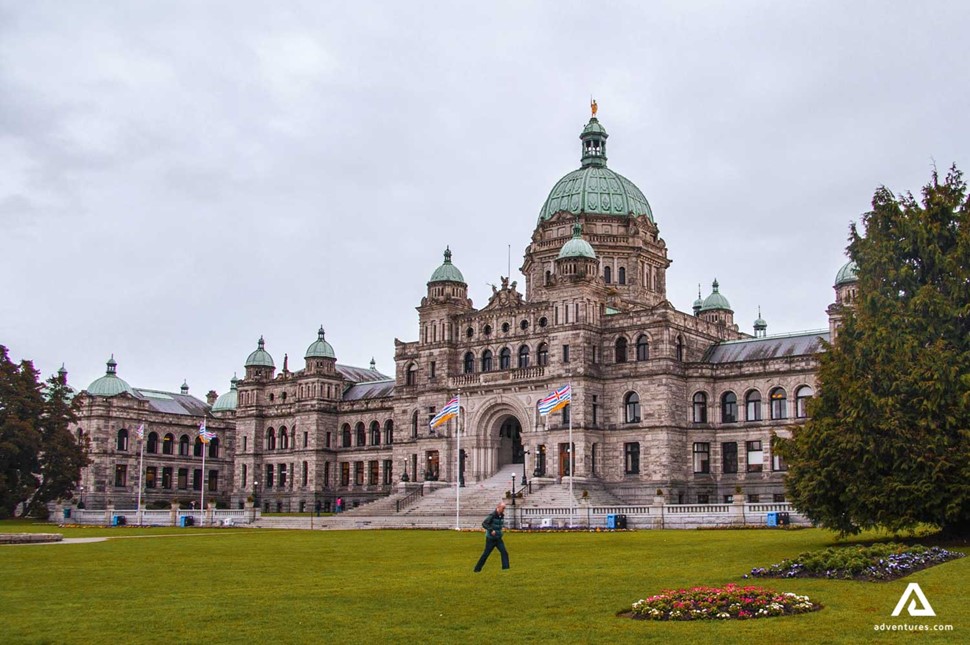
(326, 475)
(565, 415)
(702, 462)
(703, 499)
(373, 474)
(345, 473)
(754, 498)
(388, 472)
(282, 470)
(631, 460)
(329, 439)
(306, 439)
(778, 462)
(431, 369)
(306, 472)
(183, 482)
(595, 409)
(167, 478)
(197, 479)
(358, 473)
(151, 476)
(729, 457)
(121, 475)
(565, 353)
(756, 457)
(778, 498)
(213, 481)
(245, 475)
(729, 499)
(596, 354)
(245, 442)
(270, 472)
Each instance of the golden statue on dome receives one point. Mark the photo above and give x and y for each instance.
(592, 106)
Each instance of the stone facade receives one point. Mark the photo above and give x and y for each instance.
(666, 405)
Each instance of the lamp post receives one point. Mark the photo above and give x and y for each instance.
(255, 497)
(513, 500)
(525, 458)
(80, 496)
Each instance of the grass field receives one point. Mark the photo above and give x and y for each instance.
(255, 585)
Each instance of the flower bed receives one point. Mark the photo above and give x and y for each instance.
(877, 562)
(721, 603)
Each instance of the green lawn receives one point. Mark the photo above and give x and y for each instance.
(253, 585)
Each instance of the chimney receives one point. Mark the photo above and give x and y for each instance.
(211, 397)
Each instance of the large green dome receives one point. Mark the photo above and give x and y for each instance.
(447, 272)
(848, 273)
(320, 348)
(260, 357)
(716, 300)
(228, 401)
(109, 384)
(595, 189)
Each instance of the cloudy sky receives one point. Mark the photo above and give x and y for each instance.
(178, 178)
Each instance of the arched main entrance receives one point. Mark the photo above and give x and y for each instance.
(510, 449)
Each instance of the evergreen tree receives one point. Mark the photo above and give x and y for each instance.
(888, 442)
(21, 408)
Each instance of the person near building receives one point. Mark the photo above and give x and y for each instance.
(493, 537)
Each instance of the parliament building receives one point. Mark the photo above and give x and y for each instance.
(665, 403)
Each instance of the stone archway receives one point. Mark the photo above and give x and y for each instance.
(510, 450)
(497, 439)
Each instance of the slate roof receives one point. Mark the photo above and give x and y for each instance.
(757, 349)
(361, 374)
(366, 383)
(171, 403)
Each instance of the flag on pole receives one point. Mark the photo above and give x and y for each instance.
(140, 431)
(450, 411)
(556, 401)
(204, 434)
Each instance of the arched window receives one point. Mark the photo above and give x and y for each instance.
(469, 362)
(345, 436)
(487, 360)
(631, 408)
(729, 408)
(779, 404)
(389, 432)
(184, 445)
(607, 275)
(643, 347)
(505, 358)
(375, 433)
(680, 348)
(411, 376)
(198, 447)
(122, 439)
(524, 356)
(621, 275)
(700, 408)
(214, 448)
(621, 350)
(542, 354)
(271, 439)
(361, 434)
(802, 395)
(284, 438)
(168, 444)
(752, 406)
(152, 446)
(414, 424)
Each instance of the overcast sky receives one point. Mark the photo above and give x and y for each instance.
(178, 178)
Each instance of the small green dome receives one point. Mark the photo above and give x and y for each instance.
(577, 247)
(699, 302)
(260, 358)
(715, 300)
(848, 273)
(447, 272)
(595, 189)
(109, 384)
(227, 402)
(320, 347)
(760, 323)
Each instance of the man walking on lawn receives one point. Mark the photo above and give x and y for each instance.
(493, 537)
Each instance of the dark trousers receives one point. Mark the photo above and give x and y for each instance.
(492, 543)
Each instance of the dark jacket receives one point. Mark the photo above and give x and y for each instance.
(494, 522)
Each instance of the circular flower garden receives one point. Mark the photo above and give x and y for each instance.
(878, 562)
(721, 603)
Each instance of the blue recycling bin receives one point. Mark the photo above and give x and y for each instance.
(611, 521)
(186, 520)
(67, 513)
(772, 519)
(118, 520)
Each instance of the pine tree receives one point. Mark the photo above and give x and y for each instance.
(888, 443)
(21, 407)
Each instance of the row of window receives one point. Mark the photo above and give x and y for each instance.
(374, 473)
(167, 444)
(281, 439)
(361, 433)
(168, 481)
(778, 408)
(754, 461)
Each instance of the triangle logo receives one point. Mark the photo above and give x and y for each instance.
(913, 589)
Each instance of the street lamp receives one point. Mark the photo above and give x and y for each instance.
(525, 458)
(513, 500)
(80, 496)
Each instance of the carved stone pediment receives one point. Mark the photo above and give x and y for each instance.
(507, 296)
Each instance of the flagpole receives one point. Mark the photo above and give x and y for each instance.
(202, 483)
(458, 468)
(572, 460)
(141, 471)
